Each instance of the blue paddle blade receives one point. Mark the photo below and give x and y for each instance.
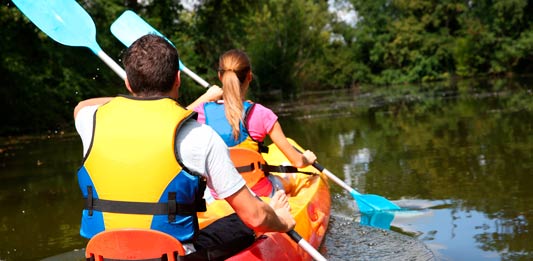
(370, 203)
(65, 21)
(129, 27)
(377, 219)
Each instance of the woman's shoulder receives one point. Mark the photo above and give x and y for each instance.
(260, 108)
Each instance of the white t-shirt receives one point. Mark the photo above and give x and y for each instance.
(201, 150)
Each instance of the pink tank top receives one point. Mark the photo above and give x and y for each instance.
(260, 120)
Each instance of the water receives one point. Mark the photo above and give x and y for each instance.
(459, 157)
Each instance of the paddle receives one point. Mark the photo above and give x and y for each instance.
(129, 27)
(367, 202)
(306, 246)
(67, 23)
(381, 219)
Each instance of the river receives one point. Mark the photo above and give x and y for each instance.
(457, 156)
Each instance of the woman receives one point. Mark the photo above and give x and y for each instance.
(244, 124)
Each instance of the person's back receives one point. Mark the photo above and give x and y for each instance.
(245, 124)
(146, 163)
(139, 174)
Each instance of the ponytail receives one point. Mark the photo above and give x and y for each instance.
(234, 66)
(232, 101)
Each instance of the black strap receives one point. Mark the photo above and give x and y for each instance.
(147, 208)
(247, 168)
(200, 201)
(279, 169)
(262, 147)
(89, 200)
(272, 168)
(172, 209)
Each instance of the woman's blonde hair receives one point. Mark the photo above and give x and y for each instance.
(234, 66)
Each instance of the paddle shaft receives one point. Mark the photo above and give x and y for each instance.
(378, 203)
(306, 246)
(335, 179)
(194, 76)
(112, 64)
(366, 203)
(302, 242)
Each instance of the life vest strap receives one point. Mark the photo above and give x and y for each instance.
(246, 168)
(272, 168)
(279, 169)
(262, 148)
(141, 208)
(171, 208)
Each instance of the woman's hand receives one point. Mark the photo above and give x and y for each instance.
(309, 157)
(213, 93)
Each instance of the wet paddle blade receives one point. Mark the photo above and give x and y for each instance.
(377, 219)
(65, 21)
(370, 203)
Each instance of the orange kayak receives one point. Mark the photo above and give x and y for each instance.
(310, 205)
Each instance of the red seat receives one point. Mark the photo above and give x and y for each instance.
(133, 244)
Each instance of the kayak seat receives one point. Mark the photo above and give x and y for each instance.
(133, 244)
(249, 163)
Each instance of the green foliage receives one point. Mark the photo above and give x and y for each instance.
(285, 40)
(416, 41)
(294, 46)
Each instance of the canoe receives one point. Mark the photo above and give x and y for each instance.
(310, 206)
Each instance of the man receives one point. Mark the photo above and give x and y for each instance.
(147, 162)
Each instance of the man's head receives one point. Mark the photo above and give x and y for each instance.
(152, 66)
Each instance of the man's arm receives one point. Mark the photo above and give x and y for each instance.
(90, 102)
(258, 215)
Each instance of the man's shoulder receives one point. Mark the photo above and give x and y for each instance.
(191, 129)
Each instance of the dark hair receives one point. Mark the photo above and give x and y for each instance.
(151, 65)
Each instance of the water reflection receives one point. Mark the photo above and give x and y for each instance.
(469, 144)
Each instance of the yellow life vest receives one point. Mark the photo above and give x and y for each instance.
(132, 177)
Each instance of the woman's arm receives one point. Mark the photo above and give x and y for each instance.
(212, 94)
(296, 158)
